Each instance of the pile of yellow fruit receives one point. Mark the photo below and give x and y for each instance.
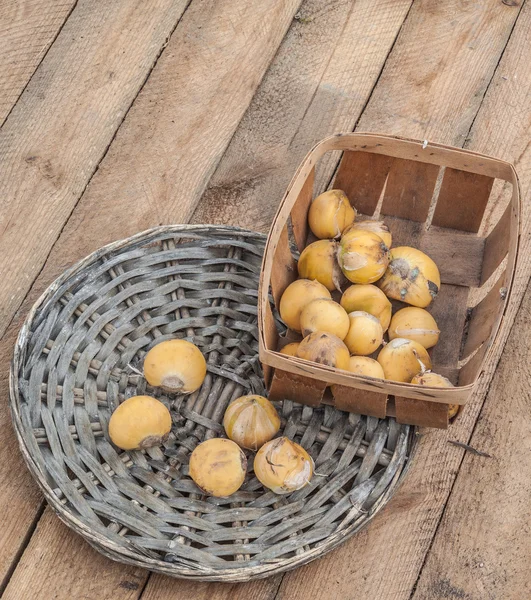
(343, 334)
(218, 465)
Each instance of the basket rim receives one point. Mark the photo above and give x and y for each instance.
(455, 395)
(106, 545)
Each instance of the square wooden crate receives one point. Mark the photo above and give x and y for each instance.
(433, 197)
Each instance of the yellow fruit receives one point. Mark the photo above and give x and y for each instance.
(329, 214)
(283, 466)
(377, 227)
(370, 299)
(324, 315)
(177, 366)
(290, 349)
(325, 349)
(415, 324)
(411, 276)
(139, 422)
(251, 421)
(362, 256)
(318, 261)
(365, 333)
(296, 297)
(363, 365)
(402, 359)
(453, 409)
(218, 467)
(432, 380)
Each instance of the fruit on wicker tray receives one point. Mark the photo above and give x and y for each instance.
(377, 227)
(368, 298)
(411, 277)
(177, 366)
(363, 256)
(318, 261)
(324, 315)
(365, 333)
(402, 359)
(296, 296)
(416, 324)
(290, 349)
(251, 421)
(329, 214)
(325, 349)
(139, 422)
(218, 467)
(283, 466)
(363, 365)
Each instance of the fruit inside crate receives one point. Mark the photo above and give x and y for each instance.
(434, 198)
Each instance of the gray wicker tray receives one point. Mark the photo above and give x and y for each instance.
(79, 354)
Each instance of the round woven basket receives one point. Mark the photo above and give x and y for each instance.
(80, 353)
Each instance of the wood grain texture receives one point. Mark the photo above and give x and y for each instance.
(411, 517)
(211, 66)
(317, 85)
(165, 588)
(481, 550)
(40, 574)
(27, 28)
(61, 127)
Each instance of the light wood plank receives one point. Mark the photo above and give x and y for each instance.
(59, 130)
(482, 550)
(165, 588)
(27, 28)
(203, 82)
(80, 573)
(319, 84)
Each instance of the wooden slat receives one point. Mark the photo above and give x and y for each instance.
(299, 213)
(484, 315)
(462, 200)
(409, 189)
(61, 127)
(362, 176)
(40, 574)
(360, 401)
(318, 85)
(296, 387)
(165, 588)
(27, 28)
(154, 170)
(285, 269)
(421, 413)
(496, 245)
(482, 548)
(449, 310)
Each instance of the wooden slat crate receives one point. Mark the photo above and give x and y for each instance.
(433, 197)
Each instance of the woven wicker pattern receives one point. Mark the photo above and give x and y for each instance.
(80, 354)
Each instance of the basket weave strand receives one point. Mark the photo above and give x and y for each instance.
(80, 354)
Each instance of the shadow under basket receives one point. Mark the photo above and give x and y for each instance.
(439, 199)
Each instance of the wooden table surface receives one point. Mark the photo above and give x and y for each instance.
(117, 115)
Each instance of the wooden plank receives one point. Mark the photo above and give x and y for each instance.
(481, 549)
(165, 588)
(80, 573)
(207, 69)
(59, 130)
(462, 200)
(318, 85)
(27, 29)
(409, 189)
